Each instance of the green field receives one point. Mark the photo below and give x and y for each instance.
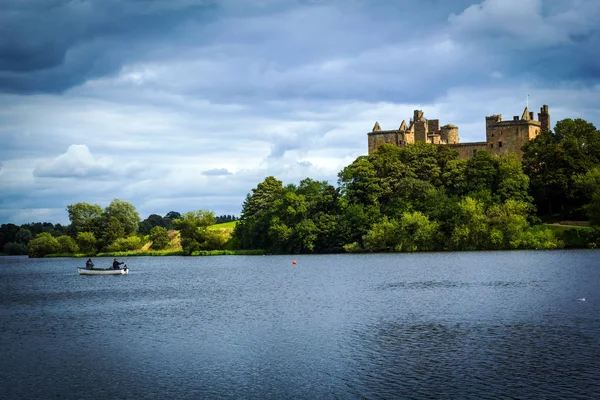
(224, 225)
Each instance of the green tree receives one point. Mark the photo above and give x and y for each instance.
(67, 244)
(470, 226)
(589, 184)
(153, 220)
(416, 233)
(15, 249)
(507, 224)
(159, 237)
(552, 161)
(257, 212)
(87, 242)
(125, 213)
(23, 236)
(113, 230)
(8, 233)
(85, 217)
(383, 236)
(43, 244)
(513, 183)
(193, 230)
(169, 218)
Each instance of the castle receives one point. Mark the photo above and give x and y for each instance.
(501, 137)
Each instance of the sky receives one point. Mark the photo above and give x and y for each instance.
(182, 105)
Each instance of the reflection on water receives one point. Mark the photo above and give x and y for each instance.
(455, 325)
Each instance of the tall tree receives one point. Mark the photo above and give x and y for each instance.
(125, 213)
(257, 212)
(552, 161)
(85, 217)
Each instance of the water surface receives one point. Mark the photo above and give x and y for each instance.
(429, 325)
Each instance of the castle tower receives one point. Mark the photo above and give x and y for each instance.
(420, 126)
(544, 118)
(506, 137)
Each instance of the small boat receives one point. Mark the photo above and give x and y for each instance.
(103, 271)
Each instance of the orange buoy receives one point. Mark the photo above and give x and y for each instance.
(294, 262)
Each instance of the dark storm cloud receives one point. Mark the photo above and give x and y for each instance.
(50, 46)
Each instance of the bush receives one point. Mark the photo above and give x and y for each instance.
(125, 244)
(44, 243)
(87, 242)
(67, 244)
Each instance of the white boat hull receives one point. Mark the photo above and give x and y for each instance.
(108, 271)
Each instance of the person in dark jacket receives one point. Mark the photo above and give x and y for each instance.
(89, 264)
(116, 264)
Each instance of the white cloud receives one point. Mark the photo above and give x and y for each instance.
(77, 162)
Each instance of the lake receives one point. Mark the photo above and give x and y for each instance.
(519, 324)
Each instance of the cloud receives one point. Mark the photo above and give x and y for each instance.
(216, 172)
(76, 162)
(182, 105)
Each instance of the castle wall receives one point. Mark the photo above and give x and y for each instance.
(466, 150)
(378, 138)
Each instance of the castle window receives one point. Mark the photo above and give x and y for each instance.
(499, 144)
(492, 145)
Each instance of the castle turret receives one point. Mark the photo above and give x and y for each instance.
(449, 134)
(544, 118)
(376, 127)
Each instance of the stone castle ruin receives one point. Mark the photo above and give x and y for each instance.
(501, 137)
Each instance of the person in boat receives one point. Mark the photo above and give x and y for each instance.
(116, 264)
(89, 264)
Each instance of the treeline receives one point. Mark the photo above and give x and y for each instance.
(422, 197)
(117, 228)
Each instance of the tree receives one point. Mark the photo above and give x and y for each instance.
(153, 220)
(169, 218)
(193, 230)
(470, 226)
(125, 213)
(15, 249)
(383, 235)
(113, 230)
(85, 217)
(552, 161)
(43, 244)
(86, 242)
(8, 233)
(589, 183)
(513, 183)
(23, 236)
(67, 244)
(257, 212)
(416, 233)
(159, 237)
